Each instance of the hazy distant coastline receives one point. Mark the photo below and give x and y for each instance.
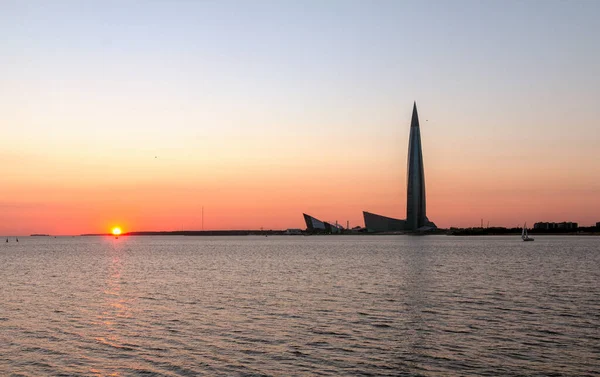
(493, 231)
(196, 233)
(514, 231)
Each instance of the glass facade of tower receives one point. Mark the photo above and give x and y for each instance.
(415, 191)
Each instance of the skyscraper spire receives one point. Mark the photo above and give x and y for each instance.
(415, 117)
(415, 199)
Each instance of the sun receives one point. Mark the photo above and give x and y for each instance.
(116, 231)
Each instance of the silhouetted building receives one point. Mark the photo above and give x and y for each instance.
(598, 225)
(567, 225)
(416, 215)
(314, 225)
(544, 226)
(415, 190)
(380, 223)
(333, 228)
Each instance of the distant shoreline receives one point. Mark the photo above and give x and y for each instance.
(536, 234)
(468, 232)
(195, 233)
(461, 232)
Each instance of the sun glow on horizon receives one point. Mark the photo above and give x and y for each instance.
(116, 231)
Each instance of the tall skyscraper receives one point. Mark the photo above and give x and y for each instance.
(416, 217)
(415, 191)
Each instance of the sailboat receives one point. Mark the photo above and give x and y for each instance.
(524, 235)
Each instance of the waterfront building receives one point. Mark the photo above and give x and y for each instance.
(415, 190)
(378, 223)
(416, 209)
(565, 225)
(314, 225)
(333, 228)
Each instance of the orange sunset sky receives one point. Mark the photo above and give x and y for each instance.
(112, 114)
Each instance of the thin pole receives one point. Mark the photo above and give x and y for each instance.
(202, 217)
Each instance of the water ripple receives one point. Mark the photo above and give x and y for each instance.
(299, 306)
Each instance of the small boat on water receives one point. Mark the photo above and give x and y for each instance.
(524, 235)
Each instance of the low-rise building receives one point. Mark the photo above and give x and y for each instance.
(314, 225)
(565, 225)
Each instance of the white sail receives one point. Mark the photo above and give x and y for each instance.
(524, 235)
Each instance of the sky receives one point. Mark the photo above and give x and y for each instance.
(140, 114)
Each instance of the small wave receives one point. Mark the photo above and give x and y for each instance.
(381, 325)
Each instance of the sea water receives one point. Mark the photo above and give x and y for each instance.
(300, 306)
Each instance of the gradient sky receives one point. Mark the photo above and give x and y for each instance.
(141, 113)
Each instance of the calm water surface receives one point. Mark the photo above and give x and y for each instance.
(300, 306)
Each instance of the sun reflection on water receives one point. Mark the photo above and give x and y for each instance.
(114, 308)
